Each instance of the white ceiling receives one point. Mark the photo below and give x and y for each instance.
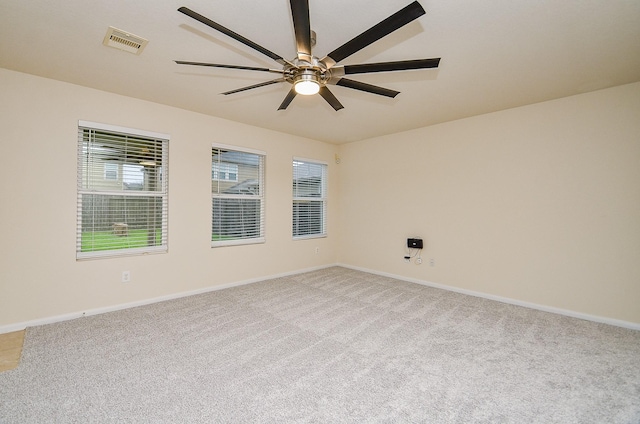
(496, 54)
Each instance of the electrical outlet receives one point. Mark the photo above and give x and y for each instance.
(317, 250)
(432, 262)
(126, 276)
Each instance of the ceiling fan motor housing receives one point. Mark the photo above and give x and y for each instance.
(308, 72)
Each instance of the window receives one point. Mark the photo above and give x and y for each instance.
(237, 196)
(224, 172)
(111, 171)
(122, 191)
(309, 199)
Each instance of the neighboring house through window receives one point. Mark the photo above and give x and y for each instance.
(237, 196)
(111, 171)
(309, 198)
(122, 191)
(224, 172)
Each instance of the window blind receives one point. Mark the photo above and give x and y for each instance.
(309, 198)
(122, 205)
(237, 191)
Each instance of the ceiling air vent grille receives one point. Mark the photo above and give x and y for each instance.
(123, 40)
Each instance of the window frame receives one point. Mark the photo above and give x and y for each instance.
(111, 192)
(262, 160)
(322, 198)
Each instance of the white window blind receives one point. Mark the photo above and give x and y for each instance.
(237, 196)
(309, 198)
(122, 191)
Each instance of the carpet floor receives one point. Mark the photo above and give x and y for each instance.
(328, 346)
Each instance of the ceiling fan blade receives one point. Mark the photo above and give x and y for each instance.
(330, 98)
(262, 84)
(217, 65)
(373, 34)
(369, 88)
(403, 65)
(302, 28)
(234, 35)
(287, 100)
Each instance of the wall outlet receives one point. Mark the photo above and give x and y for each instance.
(317, 250)
(126, 276)
(432, 262)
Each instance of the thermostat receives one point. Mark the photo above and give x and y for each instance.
(414, 243)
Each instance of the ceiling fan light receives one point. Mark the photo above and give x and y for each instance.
(307, 88)
(306, 84)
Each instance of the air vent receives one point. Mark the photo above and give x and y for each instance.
(123, 40)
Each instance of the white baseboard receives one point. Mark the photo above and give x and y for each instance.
(566, 312)
(65, 317)
(59, 318)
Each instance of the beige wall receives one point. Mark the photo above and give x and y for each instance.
(540, 204)
(39, 275)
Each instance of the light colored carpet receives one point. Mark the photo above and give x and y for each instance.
(329, 346)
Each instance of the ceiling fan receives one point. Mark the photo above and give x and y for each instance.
(309, 74)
